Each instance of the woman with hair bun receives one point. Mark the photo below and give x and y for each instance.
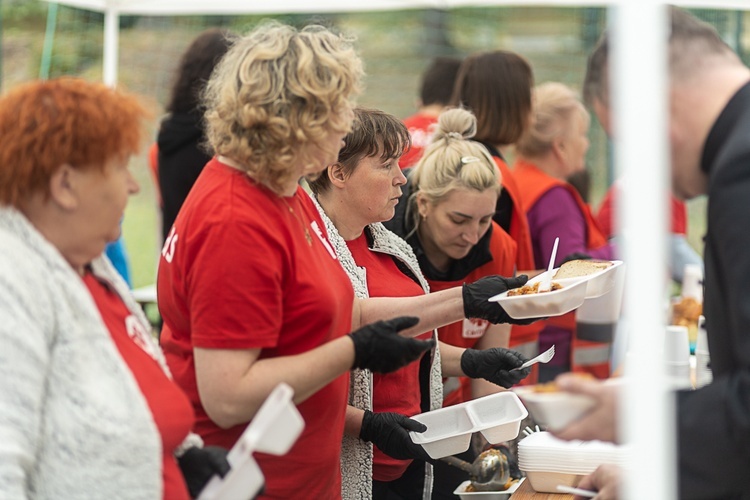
(446, 215)
(496, 86)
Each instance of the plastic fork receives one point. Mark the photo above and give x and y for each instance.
(546, 283)
(544, 357)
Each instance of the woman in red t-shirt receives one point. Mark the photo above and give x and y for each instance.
(249, 287)
(447, 219)
(87, 405)
(355, 194)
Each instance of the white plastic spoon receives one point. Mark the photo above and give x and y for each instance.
(546, 283)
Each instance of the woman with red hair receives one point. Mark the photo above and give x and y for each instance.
(87, 406)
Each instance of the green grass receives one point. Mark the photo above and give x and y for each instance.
(140, 227)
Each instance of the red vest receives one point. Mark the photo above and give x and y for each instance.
(519, 226)
(534, 184)
(503, 250)
(520, 335)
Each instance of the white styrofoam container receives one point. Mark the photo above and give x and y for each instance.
(546, 482)
(486, 495)
(274, 429)
(600, 282)
(543, 305)
(554, 410)
(497, 416)
(448, 431)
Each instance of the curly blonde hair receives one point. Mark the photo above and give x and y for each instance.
(452, 161)
(276, 94)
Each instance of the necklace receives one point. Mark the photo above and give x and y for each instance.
(304, 226)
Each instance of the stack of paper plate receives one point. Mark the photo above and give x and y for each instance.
(549, 461)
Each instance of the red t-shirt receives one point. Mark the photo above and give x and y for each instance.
(169, 406)
(421, 127)
(237, 272)
(605, 217)
(466, 333)
(397, 391)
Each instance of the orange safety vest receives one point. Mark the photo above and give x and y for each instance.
(466, 333)
(587, 356)
(519, 225)
(523, 338)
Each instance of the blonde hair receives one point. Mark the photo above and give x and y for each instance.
(276, 93)
(554, 107)
(452, 161)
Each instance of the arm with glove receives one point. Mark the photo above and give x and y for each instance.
(494, 365)
(444, 307)
(233, 383)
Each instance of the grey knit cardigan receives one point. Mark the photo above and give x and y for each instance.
(73, 421)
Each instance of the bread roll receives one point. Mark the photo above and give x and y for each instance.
(581, 267)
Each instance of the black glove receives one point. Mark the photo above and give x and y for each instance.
(198, 466)
(575, 256)
(494, 365)
(379, 348)
(390, 433)
(476, 299)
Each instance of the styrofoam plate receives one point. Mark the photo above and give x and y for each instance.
(546, 304)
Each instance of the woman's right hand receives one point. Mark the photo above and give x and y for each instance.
(378, 347)
(476, 299)
(605, 480)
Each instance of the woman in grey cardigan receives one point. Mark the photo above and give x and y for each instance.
(87, 406)
(355, 195)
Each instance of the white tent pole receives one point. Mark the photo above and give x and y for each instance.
(640, 111)
(111, 45)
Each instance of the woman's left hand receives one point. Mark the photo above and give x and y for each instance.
(198, 466)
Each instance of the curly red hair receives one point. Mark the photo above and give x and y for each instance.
(44, 124)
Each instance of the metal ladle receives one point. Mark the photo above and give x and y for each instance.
(488, 472)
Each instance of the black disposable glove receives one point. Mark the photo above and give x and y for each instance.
(379, 348)
(494, 365)
(476, 299)
(198, 466)
(575, 256)
(390, 433)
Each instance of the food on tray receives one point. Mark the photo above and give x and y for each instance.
(471, 489)
(581, 267)
(686, 313)
(552, 386)
(532, 288)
